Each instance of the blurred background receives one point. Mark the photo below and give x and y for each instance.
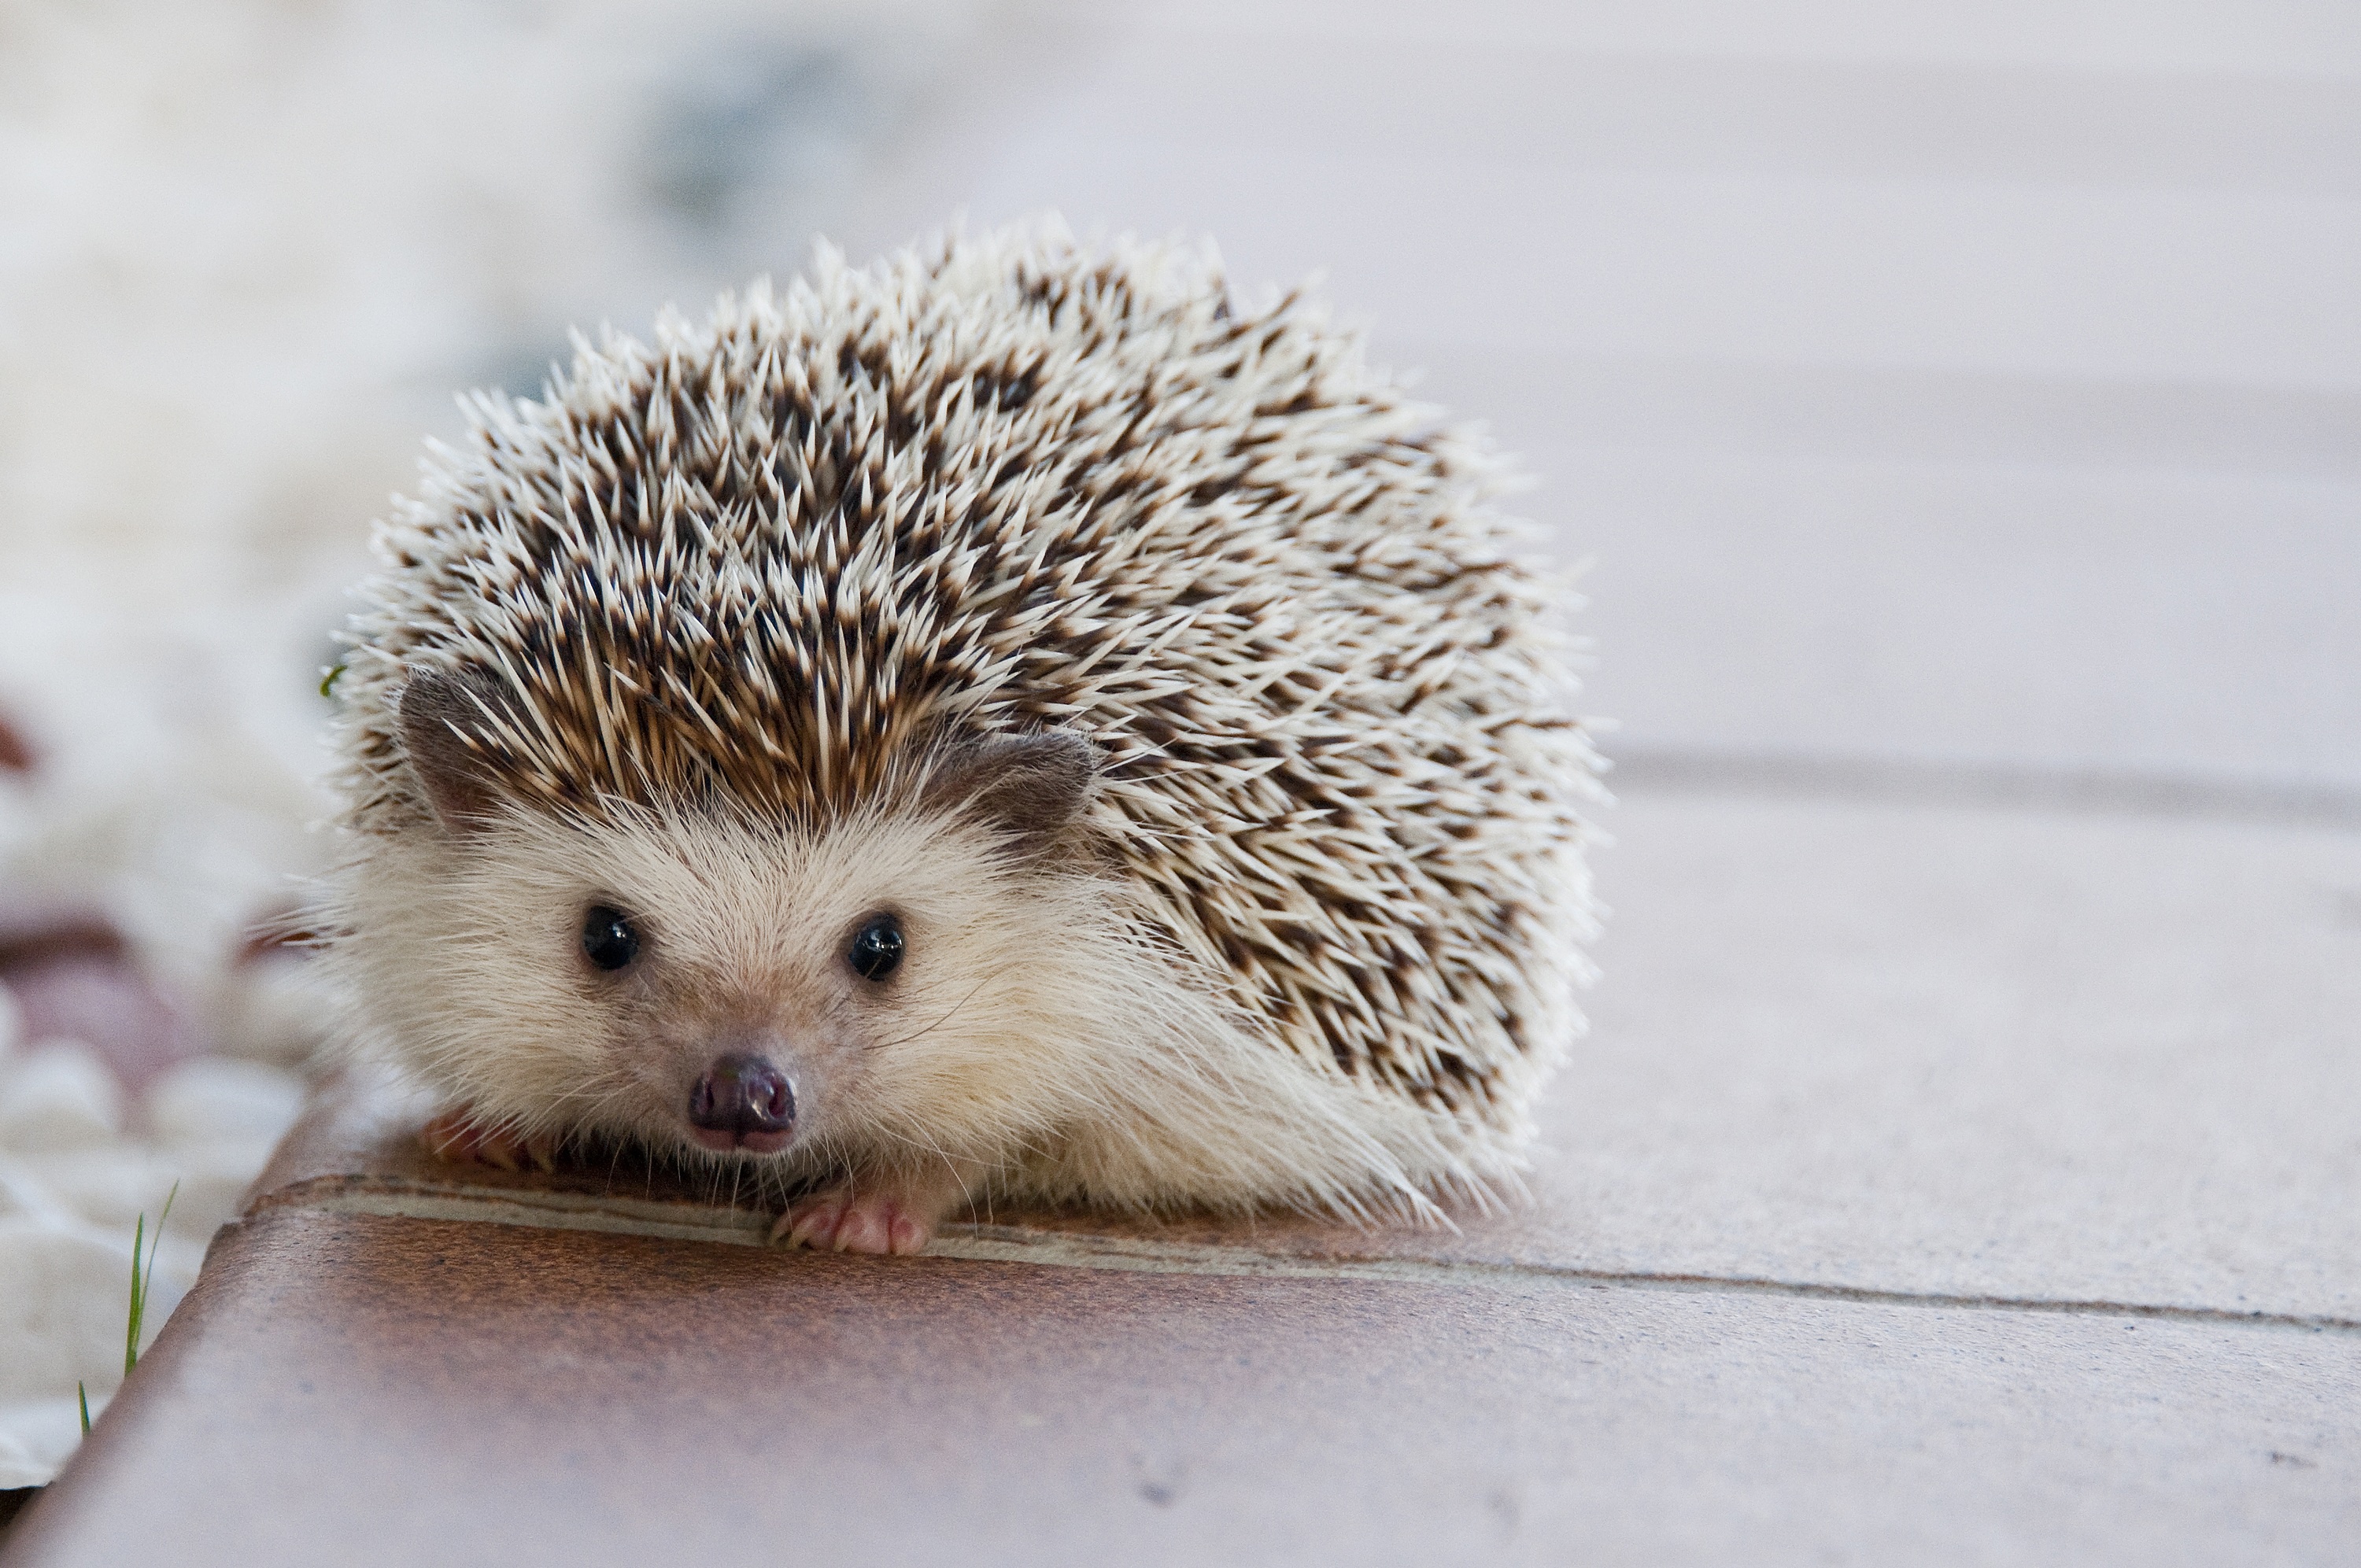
(1967, 396)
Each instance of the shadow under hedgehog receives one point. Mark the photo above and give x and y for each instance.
(1002, 722)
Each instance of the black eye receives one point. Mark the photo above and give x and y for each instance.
(876, 948)
(607, 939)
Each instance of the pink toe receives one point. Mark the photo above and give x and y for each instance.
(865, 1230)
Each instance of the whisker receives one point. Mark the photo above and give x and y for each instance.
(889, 1045)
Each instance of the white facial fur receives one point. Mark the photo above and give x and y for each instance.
(1034, 1039)
(476, 942)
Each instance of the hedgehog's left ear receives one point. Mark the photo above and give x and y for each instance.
(1030, 787)
(442, 712)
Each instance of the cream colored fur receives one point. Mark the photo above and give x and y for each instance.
(1037, 1042)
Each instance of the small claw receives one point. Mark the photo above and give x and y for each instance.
(874, 1223)
(436, 1139)
(865, 1229)
(455, 1136)
(813, 1224)
(449, 1135)
(910, 1234)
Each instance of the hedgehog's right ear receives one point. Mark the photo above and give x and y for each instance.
(440, 710)
(1031, 787)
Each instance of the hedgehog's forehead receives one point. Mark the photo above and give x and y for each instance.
(737, 865)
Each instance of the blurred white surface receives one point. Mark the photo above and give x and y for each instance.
(59, 1096)
(77, 1177)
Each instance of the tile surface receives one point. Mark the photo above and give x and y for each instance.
(1783, 601)
(595, 1399)
(1974, 1050)
(1979, 388)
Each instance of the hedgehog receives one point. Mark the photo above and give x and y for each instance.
(1006, 723)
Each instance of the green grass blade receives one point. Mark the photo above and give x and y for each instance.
(142, 1279)
(131, 1326)
(81, 1392)
(149, 1278)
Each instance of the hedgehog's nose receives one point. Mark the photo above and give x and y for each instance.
(744, 1102)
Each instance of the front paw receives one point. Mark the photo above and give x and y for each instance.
(455, 1135)
(846, 1219)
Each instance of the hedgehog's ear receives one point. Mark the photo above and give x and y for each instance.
(440, 709)
(1030, 787)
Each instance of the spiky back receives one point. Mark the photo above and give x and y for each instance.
(1012, 483)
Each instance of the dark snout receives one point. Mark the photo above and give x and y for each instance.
(742, 1103)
